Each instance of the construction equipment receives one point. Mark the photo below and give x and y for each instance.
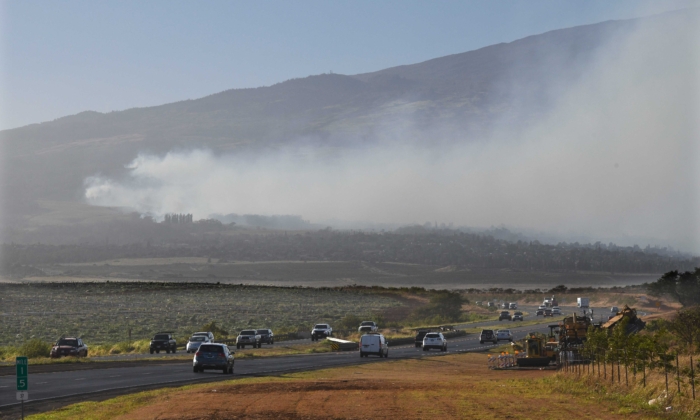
(538, 351)
(573, 330)
(634, 324)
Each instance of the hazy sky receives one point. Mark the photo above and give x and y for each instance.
(60, 58)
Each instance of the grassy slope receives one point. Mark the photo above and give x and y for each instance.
(457, 386)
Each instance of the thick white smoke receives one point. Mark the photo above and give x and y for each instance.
(618, 156)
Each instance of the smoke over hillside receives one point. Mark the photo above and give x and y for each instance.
(615, 155)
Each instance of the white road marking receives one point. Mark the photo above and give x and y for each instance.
(115, 376)
(148, 373)
(80, 379)
(6, 386)
(39, 383)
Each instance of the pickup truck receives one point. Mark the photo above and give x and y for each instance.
(321, 331)
(368, 326)
(518, 316)
(248, 338)
(163, 341)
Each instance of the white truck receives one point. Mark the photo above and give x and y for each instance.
(582, 302)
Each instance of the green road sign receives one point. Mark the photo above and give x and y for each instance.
(22, 364)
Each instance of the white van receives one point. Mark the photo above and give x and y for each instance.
(374, 344)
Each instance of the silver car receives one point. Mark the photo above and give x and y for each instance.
(195, 341)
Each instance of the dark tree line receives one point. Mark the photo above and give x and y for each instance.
(464, 250)
(682, 286)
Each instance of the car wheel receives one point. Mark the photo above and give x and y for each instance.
(174, 349)
(167, 351)
(86, 353)
(151, 351)
(387, 354)
(230, 370)
(194, 369)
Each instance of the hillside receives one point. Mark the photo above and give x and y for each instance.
(470, 92)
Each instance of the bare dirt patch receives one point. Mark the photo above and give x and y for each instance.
(448, 387)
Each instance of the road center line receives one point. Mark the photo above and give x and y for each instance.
(80, 379)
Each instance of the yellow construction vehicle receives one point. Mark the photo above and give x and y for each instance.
(539, 351)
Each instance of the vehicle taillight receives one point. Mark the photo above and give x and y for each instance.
(222, 355)
(198, 354)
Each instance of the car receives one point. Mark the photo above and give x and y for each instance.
(368, 326)
(513, 305)
(491, 304)
(266, 336)
(419, 337)
(374, 343)
(614, 310)
(543, 307)
(321, 331)
(434, 340)
(69, 346)
(213, 356)
(163, 341)
(505, 315)
(548, 312)
(539, 312)
(248, 338)
(195, 341)
(504, 305)
(518, 316)
(556, 311)
(208, 334)
(504, 335)
(487, 335)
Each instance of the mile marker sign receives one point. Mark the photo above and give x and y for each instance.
(21, 363)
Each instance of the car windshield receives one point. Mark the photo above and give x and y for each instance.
(366, 323)
(197, 338)
(487, 332)
(201, 333)
(518, 313)
(209, 348)
(321, 326)
(504, 331)
(161, 337)
(262, 331)
(432, 335)
(248, 332)
(68, 342)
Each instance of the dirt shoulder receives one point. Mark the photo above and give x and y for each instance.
(458, 386)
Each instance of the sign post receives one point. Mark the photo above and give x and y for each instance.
(22, 364)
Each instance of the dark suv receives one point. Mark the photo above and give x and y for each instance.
(419, 337)
(266, 336)
(488, 335)
(505, 315)
(69, 346)
(213, 356)
(163, 341)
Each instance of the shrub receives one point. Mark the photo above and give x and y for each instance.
(35, 348)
